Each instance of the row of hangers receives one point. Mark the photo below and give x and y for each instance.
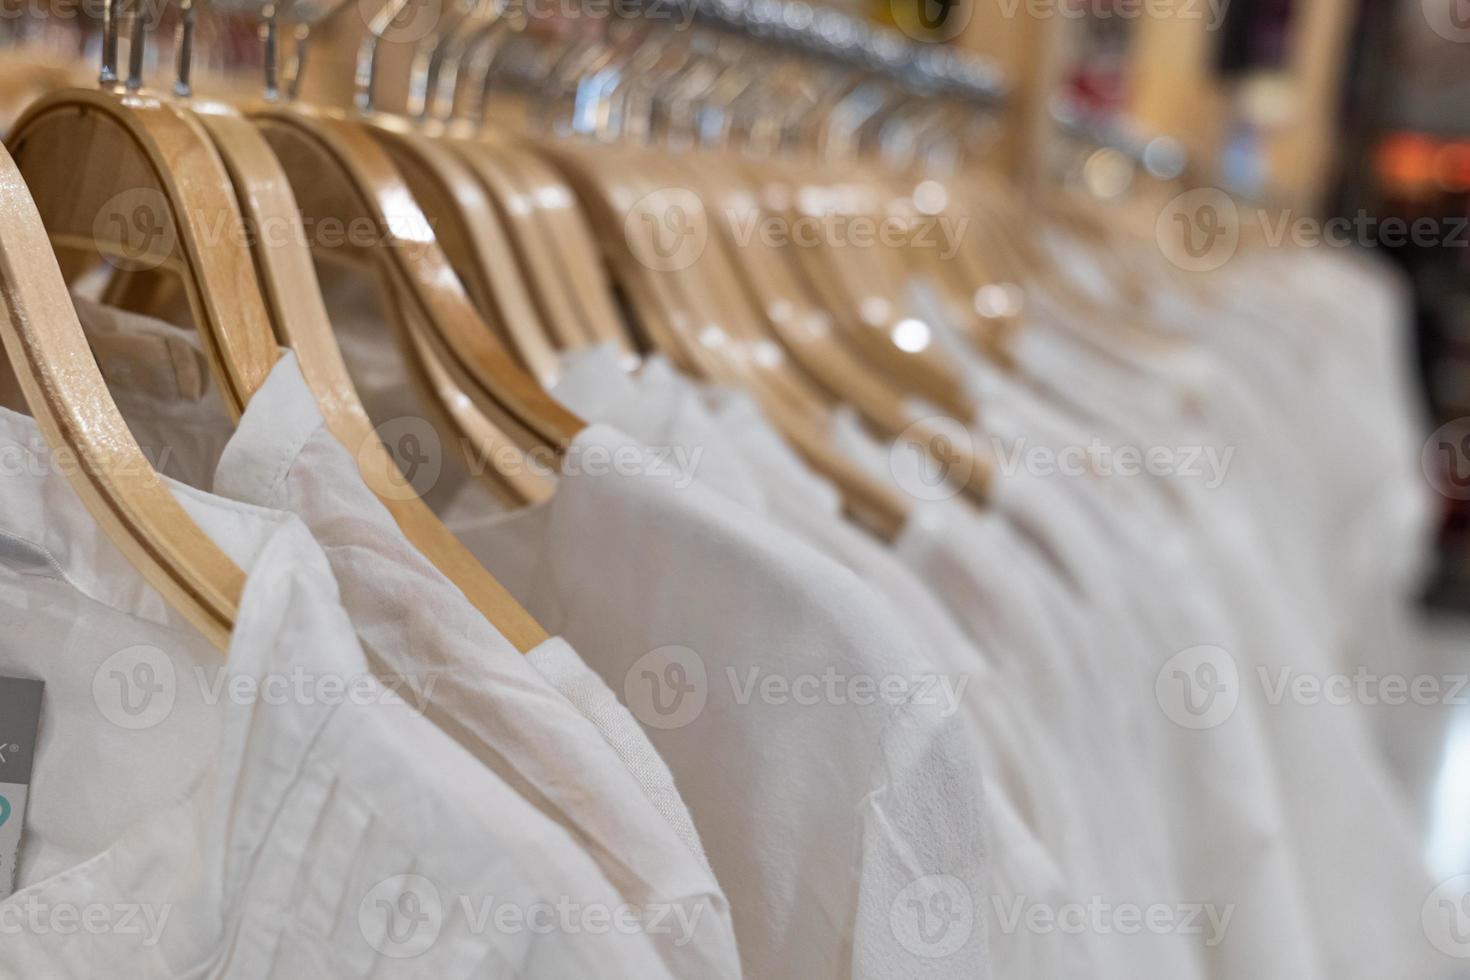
(496, 248)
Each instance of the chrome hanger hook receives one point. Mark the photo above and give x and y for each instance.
(271, 16)
(111, 13)
(433, 55)
(138, 46)
(365, 77)
(184, 49)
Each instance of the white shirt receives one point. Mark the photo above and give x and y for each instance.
(743, 458)
(1274, 614)
(583, 762)
(415, 624)
(844, 824)
(272, 812)
(829, 826)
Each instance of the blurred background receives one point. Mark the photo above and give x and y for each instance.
(1353, 110)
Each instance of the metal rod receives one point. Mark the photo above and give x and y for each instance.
(828, 35)
(184, 46)
(110, 14)
(365, 78)
(138, 47)
(270, 35)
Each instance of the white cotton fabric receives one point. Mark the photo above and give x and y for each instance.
(1288, 621)
(745, 459)
(242, 815)
(570, 675)
(1257, 541)
(708, 583)
(596, 776)
(847, 831)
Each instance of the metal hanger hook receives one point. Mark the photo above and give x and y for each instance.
(271, 16)
(365, 76)
(138, 46)
(112, 15)
(184, 49)
(107, 77)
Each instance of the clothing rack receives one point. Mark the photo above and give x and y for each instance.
(825, 34)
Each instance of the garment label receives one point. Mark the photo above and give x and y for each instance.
(20, 723)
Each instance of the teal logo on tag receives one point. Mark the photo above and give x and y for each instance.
(4, 810)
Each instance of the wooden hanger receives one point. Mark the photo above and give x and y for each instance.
(339, 170)
(716, 313)
(1008, 233)
(979, 294)
(708, 324)
(464, 218)
(537, 209)
(501, 172)
(702, 328)
(806, 331)
(782, 302)
(126, 174)
(294, 303)
(866, 303)
(787, 309)
(294, 300)
(469, 229)
(537, 246)
(66, 392)
(559, 219)
(865, 296)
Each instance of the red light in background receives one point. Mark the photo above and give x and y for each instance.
(1452, 166)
